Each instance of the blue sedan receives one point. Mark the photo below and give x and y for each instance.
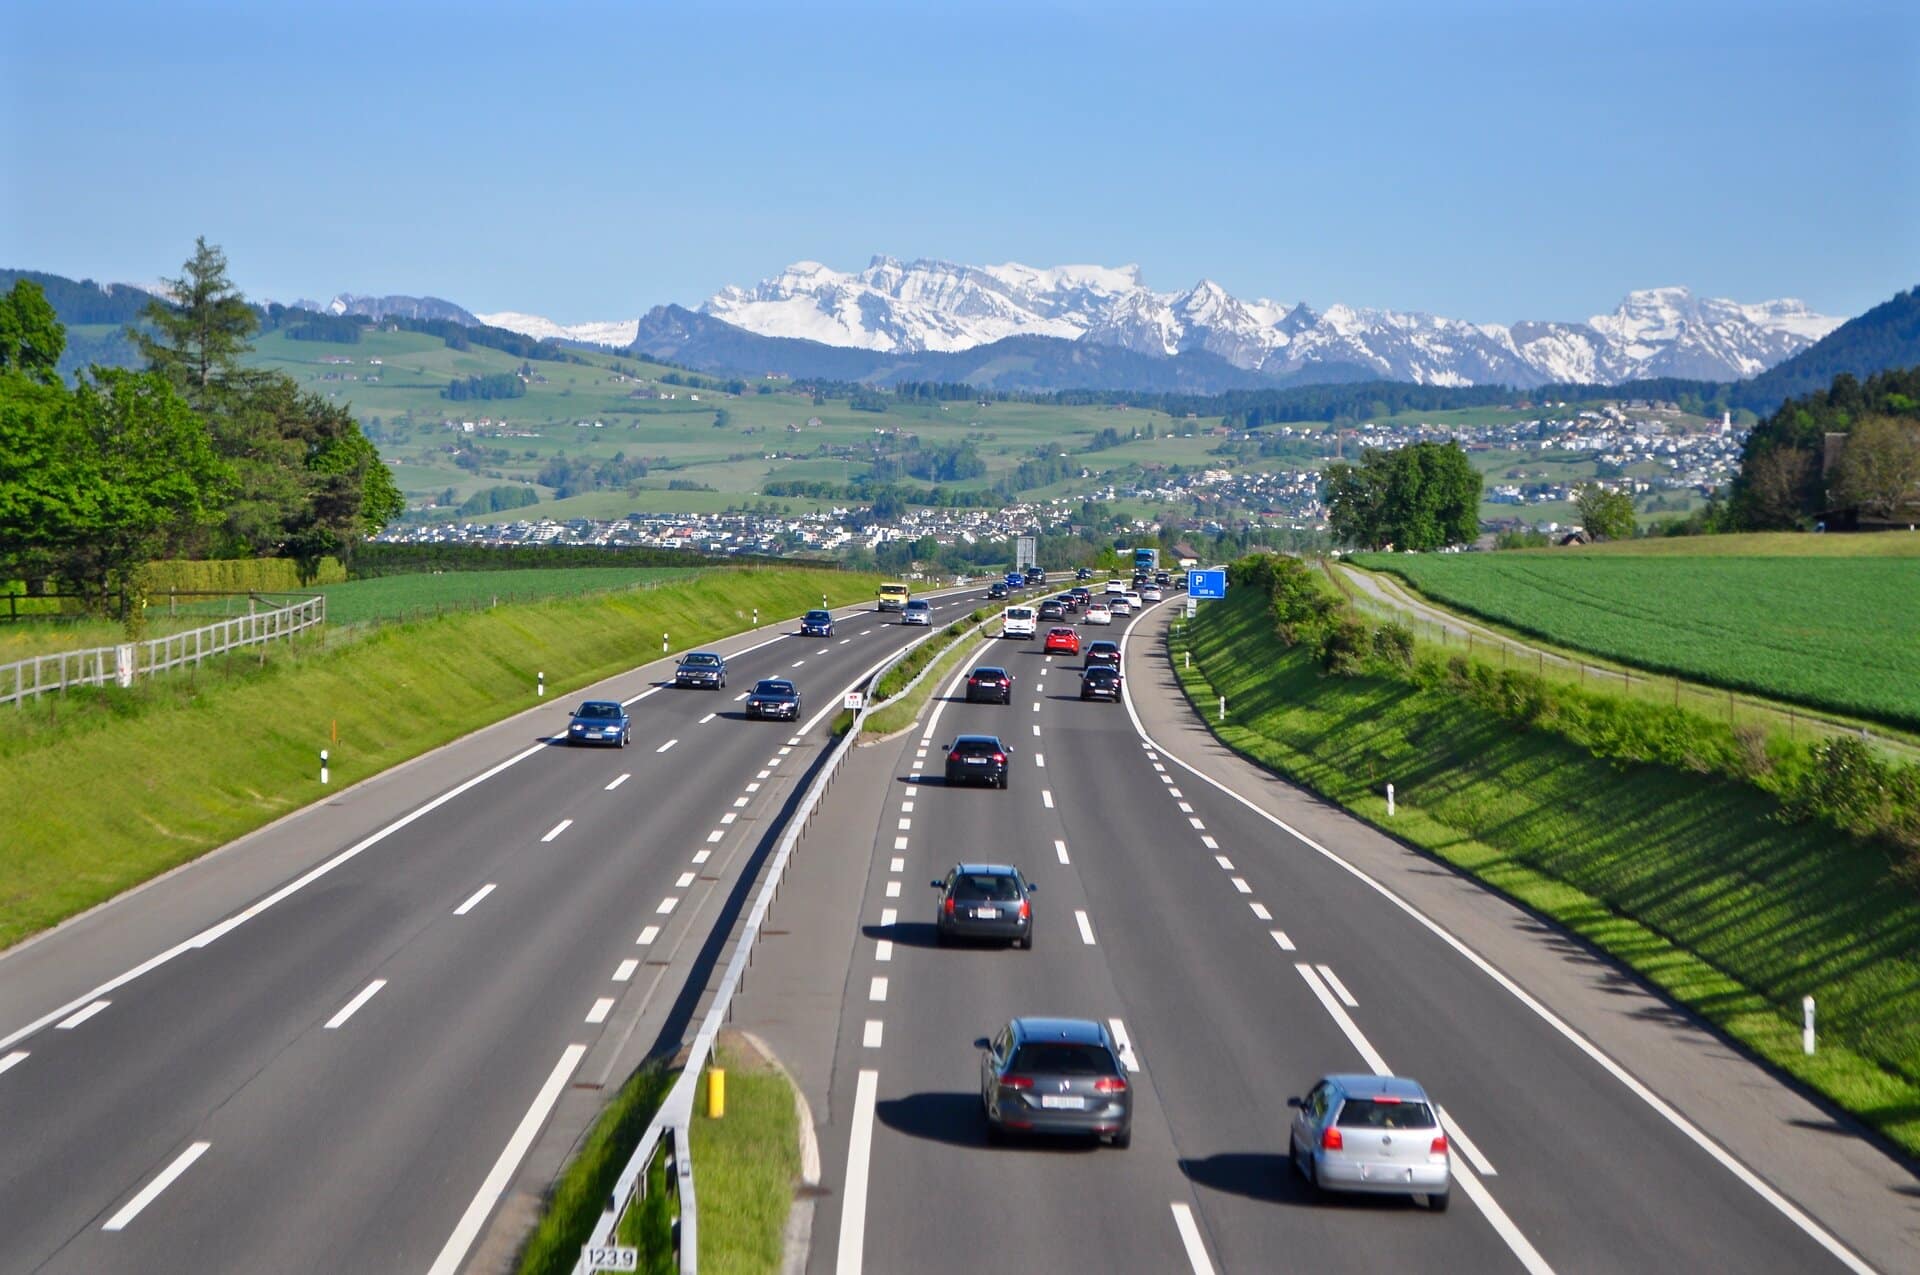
(600, 721)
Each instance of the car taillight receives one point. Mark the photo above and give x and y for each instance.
(1110, 1084)
(954, 755)
(1000, 759)
(1331, 1140)
(949, 905)
(1439, 1146)
(1016, 1082)
(1026, 910)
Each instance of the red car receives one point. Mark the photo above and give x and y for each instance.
(1066, 641)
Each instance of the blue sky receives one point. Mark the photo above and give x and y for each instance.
(1487, 161)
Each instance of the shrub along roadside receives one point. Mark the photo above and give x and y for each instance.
(183, 766)
(575, 1202)
(1708, 885)
(942, 655)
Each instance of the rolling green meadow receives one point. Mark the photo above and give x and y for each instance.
(1837, 630)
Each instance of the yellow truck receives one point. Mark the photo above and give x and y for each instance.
(893, 597)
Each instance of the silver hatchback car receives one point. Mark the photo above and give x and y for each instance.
(1377, 1134)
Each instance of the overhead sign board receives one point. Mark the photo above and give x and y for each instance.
(1207, 584)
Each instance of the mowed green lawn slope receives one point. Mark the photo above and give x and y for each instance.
(1838, 630)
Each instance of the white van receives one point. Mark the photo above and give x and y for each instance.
(1019, 622)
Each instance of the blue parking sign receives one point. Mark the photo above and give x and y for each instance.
(1207, 584)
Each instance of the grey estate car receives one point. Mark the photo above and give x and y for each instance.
(985, 901)
(1378, 1134)
(1055, 1075)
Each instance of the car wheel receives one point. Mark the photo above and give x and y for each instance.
(996, 1136)
(1123, 1139)
(940, 937)
(626, 739)
(1025, 944)
(1438, 1203)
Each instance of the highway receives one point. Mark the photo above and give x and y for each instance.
(341, 1043)
(1240, 962)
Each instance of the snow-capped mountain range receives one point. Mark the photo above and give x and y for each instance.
(940, 306)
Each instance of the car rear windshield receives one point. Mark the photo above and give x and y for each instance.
(1103, 674)
(1019, 613)
(969, 887)
(1366, 1113)
(599, 710)
(1061, 1057)
(989, 675)
(976, 747)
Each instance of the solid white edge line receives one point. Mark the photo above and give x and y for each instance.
(473, 901)
(1724, 1158)
(352, 1007)
(181, 1163)
(1483, 1200)
(82, 1016)
(12, 1060)
(1086, 927)
(1355, 1036)
(853, 1202)
(468, 1229)
(558, 828)
(1460, 1139)
(1339, 988)
(1190, 1239)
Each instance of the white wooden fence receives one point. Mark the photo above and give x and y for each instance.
(30, 678)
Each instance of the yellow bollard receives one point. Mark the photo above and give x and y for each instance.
(716, 1093)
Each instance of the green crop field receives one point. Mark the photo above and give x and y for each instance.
(403, 596)
(1839, 631)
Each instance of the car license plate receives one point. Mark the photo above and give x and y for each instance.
(986, 914)
(976, 761)
(1063, 1101)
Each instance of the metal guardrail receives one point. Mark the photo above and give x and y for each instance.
(122, 664)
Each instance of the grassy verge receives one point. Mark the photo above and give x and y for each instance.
(1698, 882)
(901, 714)
(577, 1198)
(745, 1166)
(194, 760)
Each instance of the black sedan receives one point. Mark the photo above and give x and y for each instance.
(984, 901)
(600, 721)
(1055, 1075)
(774, 697)
(1101, 681)
(989, 684)
(977, 759)
(817, 624)
(1101, 653)
(702, 668)
(998, 589)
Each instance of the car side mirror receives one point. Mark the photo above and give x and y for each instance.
(983, 1043)
(1296, 1102)
(946, 748)
(1032, 888)
(938, 885)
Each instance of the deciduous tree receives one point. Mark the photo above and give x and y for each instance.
(1604, 512)
(31, 338)
(1880, 469)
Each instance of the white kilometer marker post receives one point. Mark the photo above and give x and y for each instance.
(151, 1192)
(348, 1010)
(1086, 927)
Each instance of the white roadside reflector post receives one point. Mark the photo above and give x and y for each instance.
(663, 644)
(1223, 708)
(756, 617)
(323, 779)
(1806, 1032)
(1389, 801)
(540, 685)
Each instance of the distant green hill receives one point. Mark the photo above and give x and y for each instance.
(1884, 338)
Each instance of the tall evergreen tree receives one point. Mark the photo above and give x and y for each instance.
(198, 338)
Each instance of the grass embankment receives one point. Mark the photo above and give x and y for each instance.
(581, 1193)
(179, 765)
(1701, 883)
(942, 654)
(745, 1166)
(1840, 633)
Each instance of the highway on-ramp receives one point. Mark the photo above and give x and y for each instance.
(332, 1045)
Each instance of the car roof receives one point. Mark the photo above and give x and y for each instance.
(988, 869)
(773, 683)
(1100, 670)
(598, 703)
(1079, 1030)
(816, 611)
(977, 739)
(1365, 1085)
(1059, 628)
(989, 668)
(1106, 642)
(704, 655)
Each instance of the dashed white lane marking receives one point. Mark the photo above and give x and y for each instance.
(1128, 1058)
(1260, 910)
(686, 879)
(729, 817)
(1466, 1145)
(151, 1192)
(455, 1251)
(785, 749)
(618, 781)
(1040, 760)
(1226, 864)
(12, 1060)
(888, 916)
(709, 717)
(797, 740)
(864, 632)
(642, 695)
(601, 1008)
(871, 1037)
(883, 950)
(920, 752)
(753, 787)
(1185, 809)
(624, 971)
(1280, 937)
(667, 905)
(1046, 798)
(1060, 848)
(762, 775)
(1209, 843)
(1176, 794)
(1190, 1239)
(715, 835)
(473, 901)
(798, 663)
(823, 650)
(853, 1203)
(664, 747)
(69, 1023)
(906, 807)
(1240, 884)
(1339, 988)
(877, 989)
(905, 824)
(742, 695)
(740, 803)
(558, 828)
(1036, 730)
(899, 843)
(1036, 708)
(1162, 769)
(772, 762)
(1167, 780)
(844, 641)
(701, 856)
(648, 935)
(897, 864)
(893, 889)
(348, 1010)
(1086, 927)
(1195, 822)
